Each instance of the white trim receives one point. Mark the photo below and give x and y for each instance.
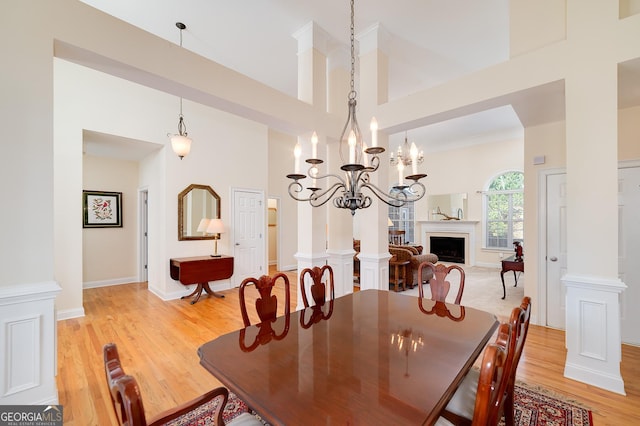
(69, 313)
(107, 283)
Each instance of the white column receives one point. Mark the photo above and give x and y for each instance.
(340, 222)
(593, 287)
(374, 248)
(312, 88)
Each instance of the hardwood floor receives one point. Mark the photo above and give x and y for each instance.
(158, 340)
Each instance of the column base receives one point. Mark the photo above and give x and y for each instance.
(593, 334)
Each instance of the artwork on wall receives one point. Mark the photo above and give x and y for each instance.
(102, 209)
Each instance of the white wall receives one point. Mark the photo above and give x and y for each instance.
(227, 151)
(109, 255)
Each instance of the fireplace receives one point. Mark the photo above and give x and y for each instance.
(448, 249)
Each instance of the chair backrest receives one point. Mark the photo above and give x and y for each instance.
(267, 303)
(519, 322)
(492, 385)
(127, 400)
(123, 389)
(396, 236)
(318, 288)
(438, 283)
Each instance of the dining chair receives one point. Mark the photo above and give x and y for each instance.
(318, 287)
(209, 408)
(267, 303)
(438, 283)
(396, 236)
(519, 321)
(480, 402)
(518, 327)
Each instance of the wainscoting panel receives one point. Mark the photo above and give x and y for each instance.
(28, 341)
(593, 331)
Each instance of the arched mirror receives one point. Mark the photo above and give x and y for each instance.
(195, 203)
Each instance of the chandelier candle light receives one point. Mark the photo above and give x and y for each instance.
(358, 161)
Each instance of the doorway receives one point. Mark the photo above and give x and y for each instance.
(273, 232)
(143, 269)
(554, 251)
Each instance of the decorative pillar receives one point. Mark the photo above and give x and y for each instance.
(340, 222)
(374, 243)
(312, 88)
(593, 333)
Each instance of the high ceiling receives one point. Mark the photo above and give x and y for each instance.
(430, 41)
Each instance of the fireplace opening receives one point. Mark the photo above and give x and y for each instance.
(448, 249)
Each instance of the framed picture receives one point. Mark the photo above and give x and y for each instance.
(102, 209)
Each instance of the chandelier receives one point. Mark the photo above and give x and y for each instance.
(407, 155)
(180, 142)
(358, 162)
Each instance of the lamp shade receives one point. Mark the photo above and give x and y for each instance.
(215, 226)
(204, 223)
(181, 145)
(389, 222)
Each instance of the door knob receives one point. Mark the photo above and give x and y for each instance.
(237, 244)
(553, 259)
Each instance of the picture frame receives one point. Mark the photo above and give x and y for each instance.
(101, 209)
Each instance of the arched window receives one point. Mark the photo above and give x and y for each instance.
(504, 211)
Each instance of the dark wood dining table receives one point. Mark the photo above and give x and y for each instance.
(373, 357)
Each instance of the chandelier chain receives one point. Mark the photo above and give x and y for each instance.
(352, 93)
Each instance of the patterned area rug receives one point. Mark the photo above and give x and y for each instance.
(535, 406)
(541, 407)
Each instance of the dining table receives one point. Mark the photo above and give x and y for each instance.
(372, 357)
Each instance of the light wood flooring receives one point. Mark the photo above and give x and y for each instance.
(158, 340)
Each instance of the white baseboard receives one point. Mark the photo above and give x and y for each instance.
(106, 283)
(69, 313)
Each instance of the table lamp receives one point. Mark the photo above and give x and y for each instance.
(215, 227)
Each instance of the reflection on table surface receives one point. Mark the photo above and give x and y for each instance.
(371, 357)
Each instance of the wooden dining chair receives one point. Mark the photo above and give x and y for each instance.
(396, 237)
(266, 303)
(209, 408)
(318, 287)
(438, 283)
(512, 337)
(519, 322)
(481, 401)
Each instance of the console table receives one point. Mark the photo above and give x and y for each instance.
(200, 270)
(511, 264)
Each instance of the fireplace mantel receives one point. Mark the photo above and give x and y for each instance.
(466, 228)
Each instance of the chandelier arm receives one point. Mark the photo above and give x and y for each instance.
(385, 197)
(318, 199)
(296, 188)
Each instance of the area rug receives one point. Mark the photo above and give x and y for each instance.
(536, 406)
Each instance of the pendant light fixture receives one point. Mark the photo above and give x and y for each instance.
(358, 162)
(180, 142)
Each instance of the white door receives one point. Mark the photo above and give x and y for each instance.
(629, 251)
(248, 235)
(556, 259)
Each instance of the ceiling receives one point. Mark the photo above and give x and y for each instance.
(431, 41)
